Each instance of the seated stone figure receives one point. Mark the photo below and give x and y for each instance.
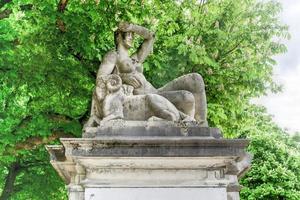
(181, 99)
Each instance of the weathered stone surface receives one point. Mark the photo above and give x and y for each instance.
(191, 146)
(91, 164)
(125, 146)
(150, 128)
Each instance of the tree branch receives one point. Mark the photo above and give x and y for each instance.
(61, 8)
(8, 189)
(3, 2)
(22, 123)
(58, 117)
(62, 5)
(84, 117)
(34, 142)
(5, 69)
(13, 170)
(231, 50)
(36, 163)
(5, 13)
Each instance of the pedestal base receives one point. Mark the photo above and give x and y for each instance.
(151, 168)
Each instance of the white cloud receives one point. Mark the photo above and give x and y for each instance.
(285, 106)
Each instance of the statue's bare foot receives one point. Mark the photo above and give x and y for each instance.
(186, 118)
(114, 116)
(153, 118)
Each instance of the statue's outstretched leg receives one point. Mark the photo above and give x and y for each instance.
(194, 84)
(182, 99)
(162, 108)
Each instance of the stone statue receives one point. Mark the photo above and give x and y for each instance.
(122, 91)
(143, 138)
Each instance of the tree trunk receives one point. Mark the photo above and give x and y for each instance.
(10, 180)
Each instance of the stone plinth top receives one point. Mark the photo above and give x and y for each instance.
(160, 146)
(158, 152)
(150, 128)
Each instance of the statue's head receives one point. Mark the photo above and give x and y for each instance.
(124, 38)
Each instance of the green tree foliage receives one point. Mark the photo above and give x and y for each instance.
(51, 50)
(275, 171)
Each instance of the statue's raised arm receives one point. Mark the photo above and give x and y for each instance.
(147, 46)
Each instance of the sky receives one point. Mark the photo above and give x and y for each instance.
(285, 106)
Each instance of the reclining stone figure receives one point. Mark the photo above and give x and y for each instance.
(136, 99)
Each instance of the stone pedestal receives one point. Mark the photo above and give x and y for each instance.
(196, 166)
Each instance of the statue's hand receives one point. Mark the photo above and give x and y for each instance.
(131, 79)
(128, 89)
(141, 31)
(125, 26)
